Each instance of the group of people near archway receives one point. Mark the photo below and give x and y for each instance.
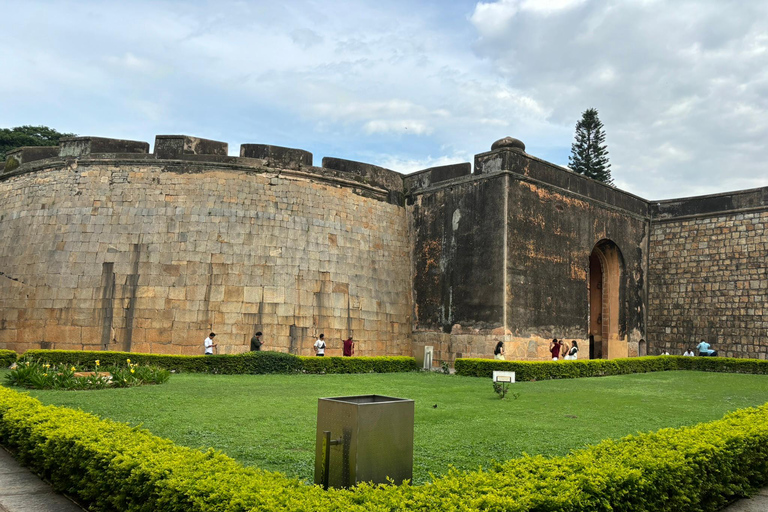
(557, 348)
(560, 349)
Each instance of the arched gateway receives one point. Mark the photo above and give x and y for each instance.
(606, 267)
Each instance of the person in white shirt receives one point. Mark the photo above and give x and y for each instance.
(320, 346)
(209, 344)
(689, 353)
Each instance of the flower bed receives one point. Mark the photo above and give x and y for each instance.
(44, 375)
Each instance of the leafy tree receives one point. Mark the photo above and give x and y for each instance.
(12, 138)
(589, 154)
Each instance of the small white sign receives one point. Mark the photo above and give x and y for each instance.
(503, 376)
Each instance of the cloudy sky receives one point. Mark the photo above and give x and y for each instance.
(681, 86)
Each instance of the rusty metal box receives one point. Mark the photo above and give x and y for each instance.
(366, 438)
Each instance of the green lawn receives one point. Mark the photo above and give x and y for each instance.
(269, 420)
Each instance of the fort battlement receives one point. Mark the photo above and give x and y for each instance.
(105, 245)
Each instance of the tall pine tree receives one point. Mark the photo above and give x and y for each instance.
(589, 154)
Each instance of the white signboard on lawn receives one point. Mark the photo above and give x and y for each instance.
(503, 376)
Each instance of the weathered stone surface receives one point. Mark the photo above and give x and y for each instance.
(136, 257)
(78, 147)
(508, 143)
(177, 146)
(708, 278)
(433, 175)
(29, 154)
(277, 156)
(370, 174)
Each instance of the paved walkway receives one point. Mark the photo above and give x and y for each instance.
(23, 491)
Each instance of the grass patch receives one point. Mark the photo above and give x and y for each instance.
(268, 421)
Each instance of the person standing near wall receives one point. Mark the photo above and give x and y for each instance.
(349, 347)
(498, 352)
(319, 346)
(554, 349)
(209, 344)
(572, 353)
(256, 342)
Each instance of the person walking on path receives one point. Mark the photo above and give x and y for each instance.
(256, 342)
(209, 344)
(498, 352)
(319, 346)
(349, 347)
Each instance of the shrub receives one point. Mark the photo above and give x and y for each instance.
(246, 363)
(111, 466)
(540, 370)
(7, 358)
(358, 364)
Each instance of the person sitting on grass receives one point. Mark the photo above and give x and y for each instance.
(689, 353)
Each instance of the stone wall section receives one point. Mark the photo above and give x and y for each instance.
(708, 281)
(150, 257)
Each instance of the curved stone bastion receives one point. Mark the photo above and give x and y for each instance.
(106, 246)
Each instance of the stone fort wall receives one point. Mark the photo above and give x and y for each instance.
(708, 274)
(504, 255)
(104, 246)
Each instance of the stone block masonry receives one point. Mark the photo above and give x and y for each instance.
(149, 256)
(708, 281)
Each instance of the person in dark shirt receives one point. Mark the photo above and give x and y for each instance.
(256, 342)
(554, 348)
(349, 347)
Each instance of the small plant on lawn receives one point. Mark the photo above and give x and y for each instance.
(40, 375)
(445, 367)
(501, 389)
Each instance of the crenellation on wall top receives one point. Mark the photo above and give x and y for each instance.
(28, 154)
(176, 146)
(372, 174)
(428, 177)
(277, 156)
(77, 147)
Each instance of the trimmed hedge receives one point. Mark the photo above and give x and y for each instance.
(246, 363)
(109, 466)
(7, 358)
(542, 370)
(358, 364)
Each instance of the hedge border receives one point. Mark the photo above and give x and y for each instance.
(246, 363)
(7, 358)
(110, 466)
(542, 370)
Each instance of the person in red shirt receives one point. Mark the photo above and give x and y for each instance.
(349, 347)
(554, 348)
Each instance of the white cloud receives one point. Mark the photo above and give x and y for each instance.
(397, 126)
(682, 87)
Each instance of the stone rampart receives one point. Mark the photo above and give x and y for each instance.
(708, 274)
(107, 246)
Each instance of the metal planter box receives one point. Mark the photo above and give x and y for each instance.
(366, 438)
